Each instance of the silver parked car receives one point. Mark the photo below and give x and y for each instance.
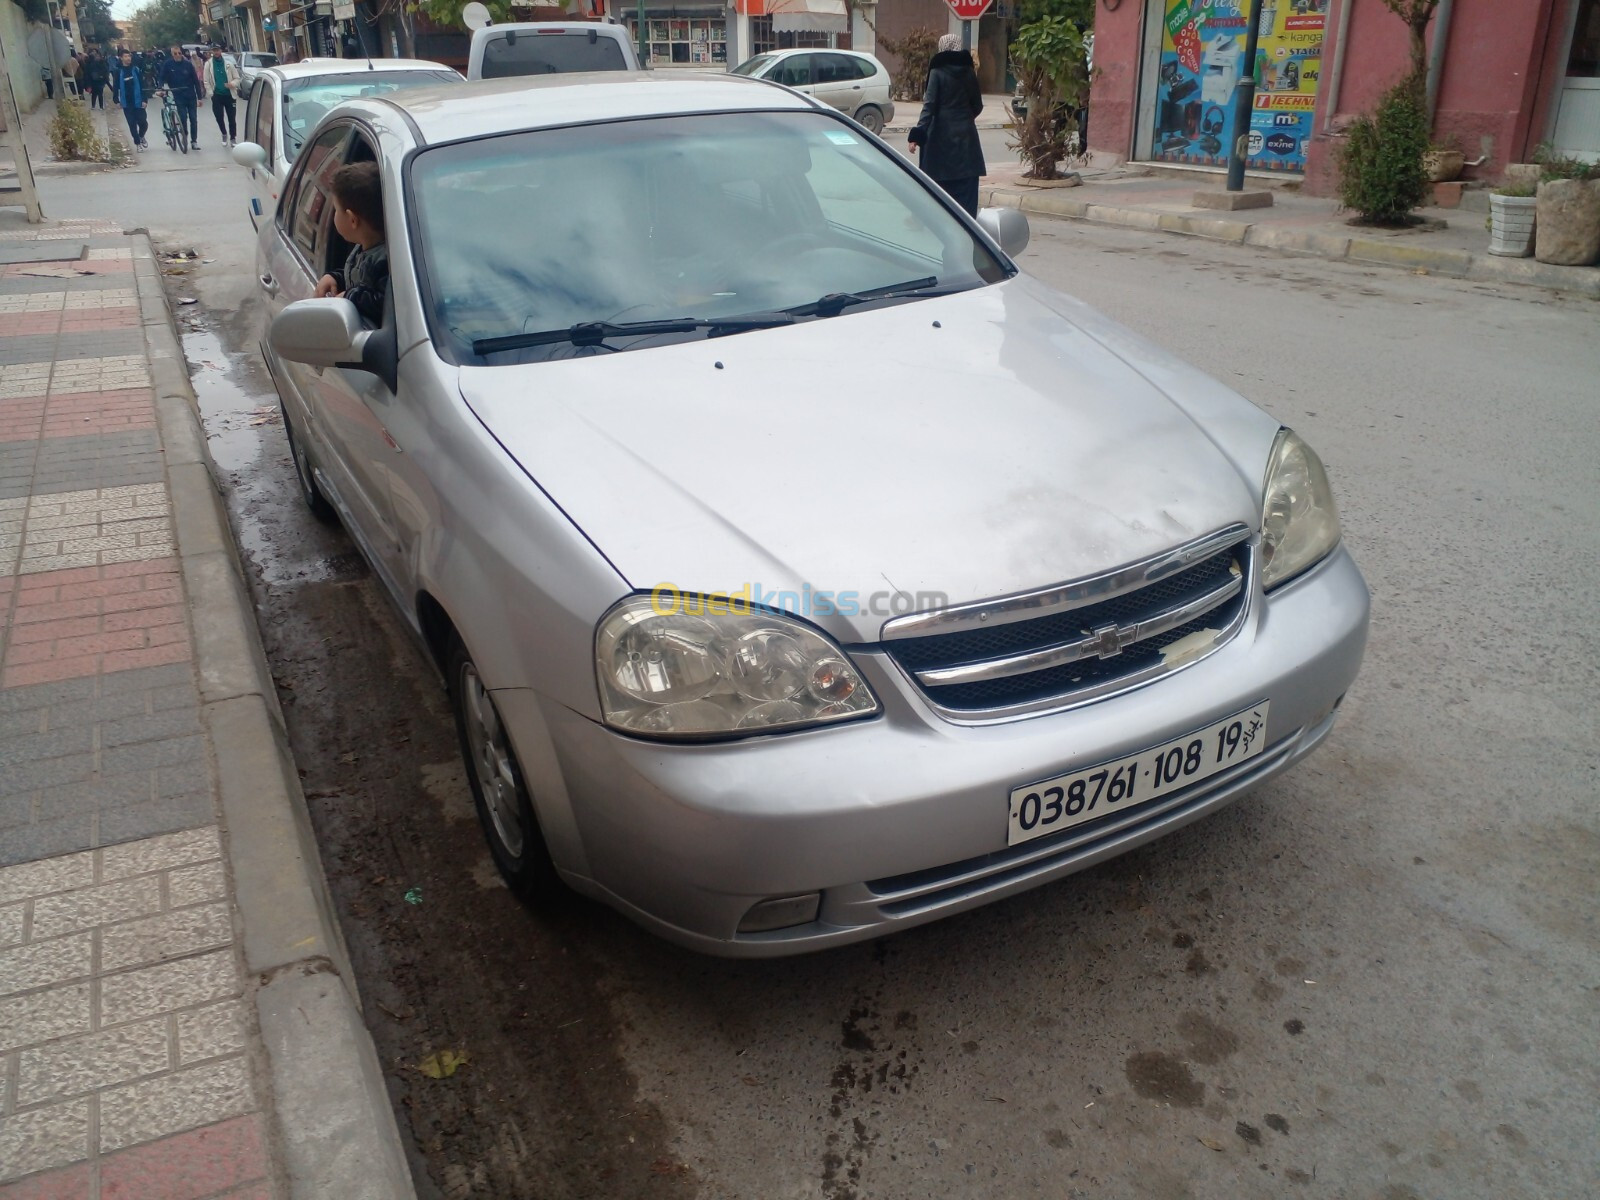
(798, 569)
(849, 80)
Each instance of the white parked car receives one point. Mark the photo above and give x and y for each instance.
(251, 63)
(287, 102)
(549, 48)
(849, 80)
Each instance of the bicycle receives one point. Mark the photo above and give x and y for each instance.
(172, 124)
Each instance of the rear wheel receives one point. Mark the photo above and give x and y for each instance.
(183, 135)
(498, 791)
(870, 117)
(304, 474)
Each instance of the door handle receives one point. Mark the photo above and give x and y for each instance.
(269, 285)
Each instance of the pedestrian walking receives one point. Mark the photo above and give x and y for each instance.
(224, 94)
(95, 76)
(128, 90)
(48, 78)
(947, 130)
(179, 78)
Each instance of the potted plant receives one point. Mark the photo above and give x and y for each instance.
(1568, 206)
(1443, 162)
(1511, 220)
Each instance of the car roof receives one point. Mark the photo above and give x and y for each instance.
(350, 66)
(811, 50)
(462, 111)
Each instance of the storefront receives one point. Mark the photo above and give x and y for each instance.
(684, 36)
(1198, 56)
(1509, 76)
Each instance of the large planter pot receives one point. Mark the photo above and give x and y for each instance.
(1569, 222)
(1511, 222)
(1442, 166)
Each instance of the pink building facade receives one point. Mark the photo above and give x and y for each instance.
(1511, 74)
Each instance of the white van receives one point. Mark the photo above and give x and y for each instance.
(550, 48)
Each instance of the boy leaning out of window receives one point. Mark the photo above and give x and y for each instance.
(358, 216)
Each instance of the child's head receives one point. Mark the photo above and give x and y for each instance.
(358, 204)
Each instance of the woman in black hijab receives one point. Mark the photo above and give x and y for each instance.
(947, 130)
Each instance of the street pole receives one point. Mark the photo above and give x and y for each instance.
(966, 35)
(644, 56)
(1244, 101)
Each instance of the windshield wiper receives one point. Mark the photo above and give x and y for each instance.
(593, 333)
(834, 303)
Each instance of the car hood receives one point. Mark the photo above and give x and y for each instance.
(951, 449)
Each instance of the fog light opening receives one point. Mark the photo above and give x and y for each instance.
(781, 912)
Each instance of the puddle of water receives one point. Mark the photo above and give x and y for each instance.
(243, 424)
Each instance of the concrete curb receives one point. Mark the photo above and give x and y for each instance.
(1457, 264)
(330, 1107)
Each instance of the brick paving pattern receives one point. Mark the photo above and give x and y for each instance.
(125, 1021)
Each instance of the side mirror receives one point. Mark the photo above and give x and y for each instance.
(249, 154)
(328, 333)
(1007, 226)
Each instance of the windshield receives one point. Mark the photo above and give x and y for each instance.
(713, 217)
(529, 53)
(753, 66)
(306, 101)
(255, 59)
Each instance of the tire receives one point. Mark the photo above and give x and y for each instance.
(183, 136)
(870, 118)
(172, 138)
(303, 473)
(498, 791)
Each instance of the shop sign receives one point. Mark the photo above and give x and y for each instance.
(344, 10)
(1202, 57)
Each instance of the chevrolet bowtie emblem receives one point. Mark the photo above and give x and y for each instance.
(1107, 640)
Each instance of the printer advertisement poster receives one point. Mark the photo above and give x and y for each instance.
(1202, 56)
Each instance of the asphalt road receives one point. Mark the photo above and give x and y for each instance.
(1376, 977)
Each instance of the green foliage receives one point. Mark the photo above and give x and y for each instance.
(1559, 166)
(96, 25)
(446, 14)
(915, 51)
(72, 135)
(1380, 168)
(1512, 189)
(1079, 12)
(164, 23)
(1049, 60)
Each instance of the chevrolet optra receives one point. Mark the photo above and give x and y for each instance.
(799, 570)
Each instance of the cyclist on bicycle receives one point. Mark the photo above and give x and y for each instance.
(178, 77)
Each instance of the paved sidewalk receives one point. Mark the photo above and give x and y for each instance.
(1296, 224)
(177, 1018)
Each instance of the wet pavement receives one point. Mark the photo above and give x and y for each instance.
(1375, 977)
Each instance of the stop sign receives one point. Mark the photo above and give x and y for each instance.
(969, 10)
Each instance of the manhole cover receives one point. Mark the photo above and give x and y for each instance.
(40, 252)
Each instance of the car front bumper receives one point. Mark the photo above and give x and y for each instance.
(902, 819)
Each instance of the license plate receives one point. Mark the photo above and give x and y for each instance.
(1067, 800)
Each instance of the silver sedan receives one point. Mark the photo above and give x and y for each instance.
(798, 569)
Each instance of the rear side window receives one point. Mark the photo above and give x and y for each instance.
(550, 54)
(837, 68)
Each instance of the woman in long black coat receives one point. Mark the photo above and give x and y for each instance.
(947, 130)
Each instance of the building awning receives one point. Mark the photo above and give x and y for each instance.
(799, 16)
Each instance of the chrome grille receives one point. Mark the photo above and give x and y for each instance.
(1077, 641)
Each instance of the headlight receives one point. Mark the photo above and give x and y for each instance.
(675, 669)
(1299, 523)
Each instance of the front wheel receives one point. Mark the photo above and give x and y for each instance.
(498, 791)
(870, 118)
